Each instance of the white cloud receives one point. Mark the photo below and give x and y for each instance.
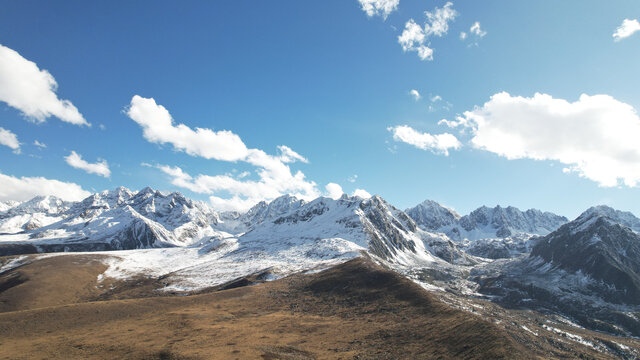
(361, 193)
(7, 138)
(275, 175)
(436, 98)
(33, 91)
(596, 136)
(438, 21)
(463, 35)
(99, 168)
(414, 37)
(241, 195)
(39, 144)
(25, 188)
(475, 29)
(288, 156)
(415, 93)
(379, 7)
(353, 178)
(439, 144)
(158, 127)
(334, 190)
(626, 29)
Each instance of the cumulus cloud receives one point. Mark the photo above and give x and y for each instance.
(436, 98)
(626, 29)
(99, 168)
(31, 90)
(415, 93)
(361, 193)
(227, 192)
(334, 190)
(7, 138)
(463, 35)
(475, 29)
(438, 144)
(596, 136)
(414, 37)
(158, 127)
(352, 178)
(242, 194)
(379, 7)
(25, 188)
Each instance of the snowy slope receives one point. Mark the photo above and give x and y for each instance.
(32, 214)
(487, 232)
(110, 220)
(588, 269)
(6, 205)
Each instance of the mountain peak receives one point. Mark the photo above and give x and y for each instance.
(622, 217)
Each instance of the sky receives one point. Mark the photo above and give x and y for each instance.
(532, 104)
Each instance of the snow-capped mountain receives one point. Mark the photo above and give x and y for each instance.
(6, 205)
(110, 220)
(121, 219)
(599, 247)
(484, 222)
(588, 269)
(432, 216)
(32, 214)
(234, 222)
(622, 217)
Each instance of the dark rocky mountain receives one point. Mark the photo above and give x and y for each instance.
(588, 269)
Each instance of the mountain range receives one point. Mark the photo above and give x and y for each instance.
(587, 269)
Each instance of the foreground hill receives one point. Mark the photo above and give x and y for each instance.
(354, 310)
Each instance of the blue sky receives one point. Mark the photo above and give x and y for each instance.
(333, 84)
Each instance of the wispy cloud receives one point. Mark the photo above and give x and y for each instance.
(33, 91)
(7, 138)
(99, 168)
(414, 37)
(438, 144)
(39, 144)
(415, 94)
(475, 29)
(379, 7)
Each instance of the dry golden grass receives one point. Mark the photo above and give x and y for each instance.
(355, 310)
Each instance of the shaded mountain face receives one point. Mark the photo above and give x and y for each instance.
(484, 222)
(432, 216)
(599, 247)
(588, 269)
